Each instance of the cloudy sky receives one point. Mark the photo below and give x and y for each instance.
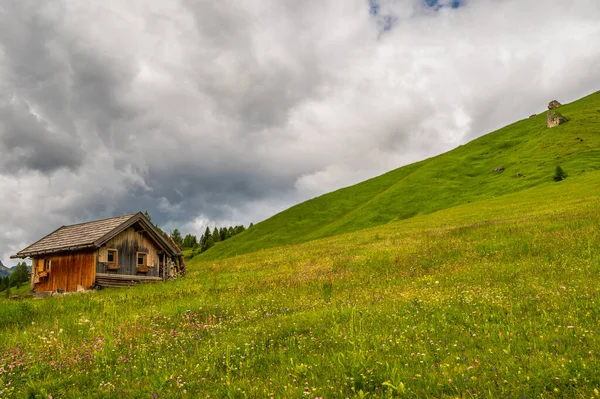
(230, 111)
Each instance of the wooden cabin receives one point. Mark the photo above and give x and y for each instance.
(123, 250)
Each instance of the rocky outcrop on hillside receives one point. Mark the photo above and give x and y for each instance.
(554, 118)
(553, 105)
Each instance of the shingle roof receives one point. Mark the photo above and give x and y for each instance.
(92, 235)
(76, 236)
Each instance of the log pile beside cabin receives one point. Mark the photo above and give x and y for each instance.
(112, 252)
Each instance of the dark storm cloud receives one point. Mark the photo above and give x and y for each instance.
(227, 112)
(56, 89)
(28, 143)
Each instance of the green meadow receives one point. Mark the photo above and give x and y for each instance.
(438, 280)
(528, 151)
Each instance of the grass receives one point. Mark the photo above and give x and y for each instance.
(440, 279)
(23, 290)
(496, 298)
(528, 151)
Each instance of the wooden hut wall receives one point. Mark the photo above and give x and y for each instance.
(128, 244)
(67, 272)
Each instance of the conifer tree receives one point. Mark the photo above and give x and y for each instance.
(4, 283)
(190, 241)
(215, 235)
(559, 174)
(205, 237)
(176, 237)
(223, 233)
(208, 240)
(20, 275)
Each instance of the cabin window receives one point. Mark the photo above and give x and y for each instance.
(141, 259)
(112, 257)
(43, 267)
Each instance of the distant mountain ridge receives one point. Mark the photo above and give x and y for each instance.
(5, 271)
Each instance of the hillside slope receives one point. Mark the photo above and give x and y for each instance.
(489, 299)
(528, 151)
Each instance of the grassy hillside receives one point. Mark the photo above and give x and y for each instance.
(470, 284)
(495, 298)
(23, 290)
(528, 151)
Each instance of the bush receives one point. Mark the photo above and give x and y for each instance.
(559, 174)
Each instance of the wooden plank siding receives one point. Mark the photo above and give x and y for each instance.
(128, 244)
(78, 255)
(67, 272)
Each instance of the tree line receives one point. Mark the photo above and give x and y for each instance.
(17, 278)
(208, 239)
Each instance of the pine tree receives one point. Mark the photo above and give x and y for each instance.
(20, 275)
(215, 235)
(205, 237)
(3, 283)
(176, 237)
(207, 240)
(190, 241)
(559, 174)
(223, 233)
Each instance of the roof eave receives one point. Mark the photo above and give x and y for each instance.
(138, 217)
(31, 254)
(117, 230)
(29, 246)
(158, 236)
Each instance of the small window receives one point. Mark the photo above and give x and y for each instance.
(43, 267)
(141, 259)
(112, 256)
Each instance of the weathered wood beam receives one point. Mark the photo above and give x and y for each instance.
(32, 277)
(126, 277)
(53, 251)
